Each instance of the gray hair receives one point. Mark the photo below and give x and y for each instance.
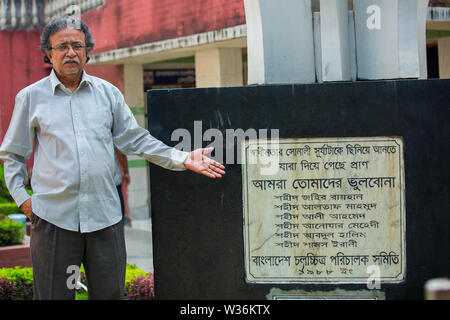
(58, 24)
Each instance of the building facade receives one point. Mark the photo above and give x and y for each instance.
(145, 44)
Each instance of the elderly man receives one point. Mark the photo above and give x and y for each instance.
(74, 121)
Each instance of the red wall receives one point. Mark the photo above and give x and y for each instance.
(20, 65)
(123, 23)
(112, 74)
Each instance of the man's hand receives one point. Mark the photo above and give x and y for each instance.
(26, 208)
(199, 163)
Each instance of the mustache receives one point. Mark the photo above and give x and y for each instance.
(71, 60)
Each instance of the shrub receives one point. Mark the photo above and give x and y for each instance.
(9, 208)
(82, 295)
(16, 283)
(132, 272)
(4, 194)
(18, 274)
(7, 289)
(138, 284)
(11, 232)
(7, 204)
(141, 288)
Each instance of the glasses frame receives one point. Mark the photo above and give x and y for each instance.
(74, 46)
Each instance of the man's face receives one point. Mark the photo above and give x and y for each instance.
(68, 53)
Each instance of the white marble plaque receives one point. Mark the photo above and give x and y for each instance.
(324, 210)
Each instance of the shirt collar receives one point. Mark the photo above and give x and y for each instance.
(85, 79)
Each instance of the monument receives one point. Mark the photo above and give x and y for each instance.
(346, 198)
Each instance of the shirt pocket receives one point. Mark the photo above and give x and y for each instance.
(99, 123)
(98, 111)
(98, 117)
(53, 119)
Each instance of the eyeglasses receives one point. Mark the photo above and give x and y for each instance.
(64, 47)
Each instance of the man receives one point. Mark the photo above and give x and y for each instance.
(122, 180)
(74, 121)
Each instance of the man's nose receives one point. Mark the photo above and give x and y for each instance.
(70, 52)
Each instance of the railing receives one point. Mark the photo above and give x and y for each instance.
(26, 14)
(438, 14)
(21, 14)
(59, 8)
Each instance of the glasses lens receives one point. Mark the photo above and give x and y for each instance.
(77, 47)
(64, 47)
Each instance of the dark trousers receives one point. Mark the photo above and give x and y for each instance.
(55, 251)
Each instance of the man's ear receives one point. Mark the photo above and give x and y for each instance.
(49, 56)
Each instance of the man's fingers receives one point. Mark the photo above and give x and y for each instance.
(207, 150)
(210, 173)
(27, 208)
(217, 167)
(218, 170)
(198, 154)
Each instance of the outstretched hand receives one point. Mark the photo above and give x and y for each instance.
(199, 163)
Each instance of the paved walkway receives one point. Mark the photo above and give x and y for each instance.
(139, 248)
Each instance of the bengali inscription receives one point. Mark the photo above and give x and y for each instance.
(329, 209)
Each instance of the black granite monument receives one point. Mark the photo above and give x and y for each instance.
(198, 222)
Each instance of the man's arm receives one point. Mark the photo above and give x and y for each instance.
(130, 138)
(123, 165)
(17, 147)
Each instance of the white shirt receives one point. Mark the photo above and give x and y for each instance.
(74, 135)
